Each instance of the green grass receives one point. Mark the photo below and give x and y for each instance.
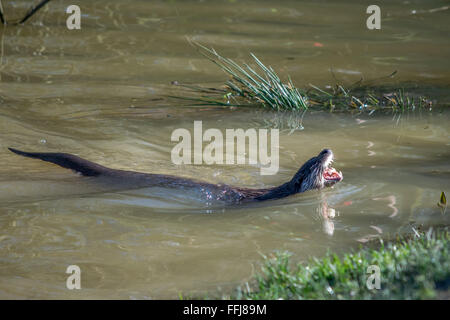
(410, 268)
(261, 86)
(264, 87)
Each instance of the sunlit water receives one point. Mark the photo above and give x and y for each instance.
(101, 93)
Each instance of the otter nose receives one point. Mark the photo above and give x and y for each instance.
(326, 151)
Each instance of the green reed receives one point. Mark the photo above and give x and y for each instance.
(261, 86)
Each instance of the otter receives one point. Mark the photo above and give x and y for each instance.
(316, 173)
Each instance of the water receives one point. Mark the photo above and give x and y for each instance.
(101, 93)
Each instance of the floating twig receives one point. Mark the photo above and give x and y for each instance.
(29, 14)
(2, 17)
(32, 11)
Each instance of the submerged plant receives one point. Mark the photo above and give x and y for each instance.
(403, 101)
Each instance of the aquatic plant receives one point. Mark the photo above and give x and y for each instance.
(264, 87)
(261, 86)
(442, 202)
(403, 101)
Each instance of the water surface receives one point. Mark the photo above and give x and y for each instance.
(101, 93)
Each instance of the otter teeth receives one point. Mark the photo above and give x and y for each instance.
(330, 163)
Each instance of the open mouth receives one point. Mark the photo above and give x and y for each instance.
(331, 174)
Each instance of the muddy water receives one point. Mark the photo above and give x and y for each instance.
(101, 92)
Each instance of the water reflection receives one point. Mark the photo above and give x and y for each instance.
(391, 200)
(326, 215)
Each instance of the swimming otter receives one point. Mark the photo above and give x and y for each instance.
(316, 173)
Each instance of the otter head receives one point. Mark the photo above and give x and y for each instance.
(316, 173)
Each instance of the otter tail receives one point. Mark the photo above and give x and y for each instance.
(65, 160)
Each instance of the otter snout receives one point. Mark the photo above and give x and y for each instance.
(330, 175)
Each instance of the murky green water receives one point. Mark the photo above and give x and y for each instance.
(101, 93)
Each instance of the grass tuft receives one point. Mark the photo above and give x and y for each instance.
(414, 268)
(261, 86)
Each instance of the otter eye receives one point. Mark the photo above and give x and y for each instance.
(324, 151)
